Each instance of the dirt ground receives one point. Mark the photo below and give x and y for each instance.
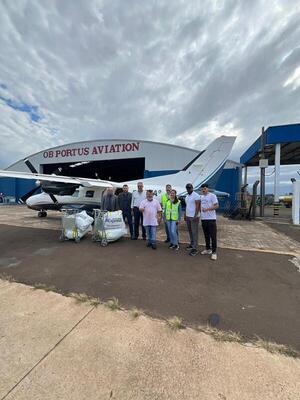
(254, 293)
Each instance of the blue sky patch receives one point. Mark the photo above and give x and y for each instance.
(32, 111)
(2, 86)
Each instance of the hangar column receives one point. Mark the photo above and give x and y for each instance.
(245, 174)
(296, 203)
(277, 172)
(262, 165)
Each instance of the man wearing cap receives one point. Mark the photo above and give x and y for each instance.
(192, 214)
(209, 204)
(137, 197)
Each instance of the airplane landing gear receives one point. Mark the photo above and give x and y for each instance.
(42, 214)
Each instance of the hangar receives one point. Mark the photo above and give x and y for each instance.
(116, 160)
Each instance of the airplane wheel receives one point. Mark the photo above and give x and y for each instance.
(42, 214)
(104, 242)
(77, 239)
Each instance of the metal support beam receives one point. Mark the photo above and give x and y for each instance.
(277, 173)
(245, 174)
(296, 203)
(262, 174)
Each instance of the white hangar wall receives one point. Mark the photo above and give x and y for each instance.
(158, 156)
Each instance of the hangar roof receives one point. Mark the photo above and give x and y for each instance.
(289, 138)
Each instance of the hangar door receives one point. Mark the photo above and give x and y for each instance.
(115, 170)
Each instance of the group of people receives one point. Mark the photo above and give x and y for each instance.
(141, 209)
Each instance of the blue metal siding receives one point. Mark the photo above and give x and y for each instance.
(274, 134)
(252, 150)
(16, 187)
(229, 182)
(283, 134)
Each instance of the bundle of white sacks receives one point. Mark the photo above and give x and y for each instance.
(81, 223)
(114, 226)
(77, 225)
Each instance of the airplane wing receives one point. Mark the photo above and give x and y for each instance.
(86, 182)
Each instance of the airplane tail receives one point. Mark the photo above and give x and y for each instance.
(204, 167)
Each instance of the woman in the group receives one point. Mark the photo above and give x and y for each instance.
(172, 214)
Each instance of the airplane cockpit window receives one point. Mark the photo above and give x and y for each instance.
(89, 193)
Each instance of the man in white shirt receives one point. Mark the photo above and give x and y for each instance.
(209, 204)
(192, 214)
(137, 197)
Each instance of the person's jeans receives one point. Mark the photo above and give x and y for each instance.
(138, 218)
(172, 227)
(127, 216)
(167, 229)
(151, 234)
(192, 224)
(209, 227)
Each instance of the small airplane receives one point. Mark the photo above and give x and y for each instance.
(64, 191)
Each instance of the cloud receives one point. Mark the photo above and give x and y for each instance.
(177, 72)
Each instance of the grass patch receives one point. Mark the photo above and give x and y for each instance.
(84, 298)
(230, 336)
(95, 301)
(80, 297)
(113, 304)
(175, 323)
(135, 313)
(6, 277)
(43, 286)
(223, 336)
(276, 348)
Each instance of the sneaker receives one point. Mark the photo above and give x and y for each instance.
(207, 251)
(194, 252)
(176, 247)
(148, 244)
(189, 247)
(154, 246)
(170, 246)
(167, 240)
(214, 256)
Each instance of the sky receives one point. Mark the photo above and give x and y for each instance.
(179, 72)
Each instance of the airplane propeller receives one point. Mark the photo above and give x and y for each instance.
(39, 185)
(28, 194)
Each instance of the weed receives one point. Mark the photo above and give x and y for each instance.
(175, 323)
(223, 336)
(6, 277)
(135, 313)
(275, 348)
(45, 287)
(113, 304)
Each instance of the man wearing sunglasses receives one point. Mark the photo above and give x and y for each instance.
(209, 204)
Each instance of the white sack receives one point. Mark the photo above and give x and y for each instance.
(71, 233)
(83, 221)
(114, 220)
(112, 234)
